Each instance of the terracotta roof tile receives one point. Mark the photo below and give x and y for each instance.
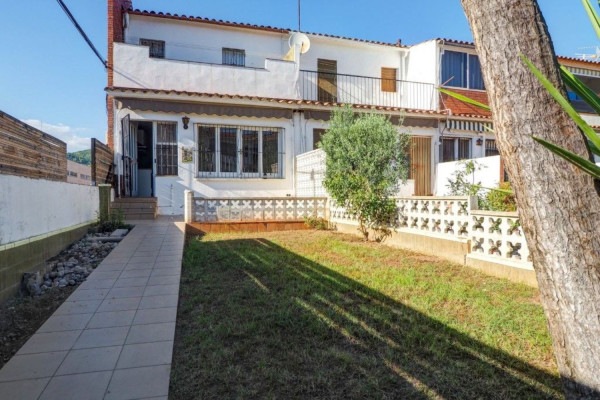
(269, 99)
(250, 26)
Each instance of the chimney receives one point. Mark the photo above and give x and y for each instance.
(115, 34)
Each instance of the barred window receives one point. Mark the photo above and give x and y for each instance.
(234, 57)
(453, 149)
(240, 151)
(490, 148)
(157, 47)
(166, 148)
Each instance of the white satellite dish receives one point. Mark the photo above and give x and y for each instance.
(301, 40)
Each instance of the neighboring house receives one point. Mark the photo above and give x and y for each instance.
(79, 173)
(224, 108)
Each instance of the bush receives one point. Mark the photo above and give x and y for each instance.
(114, 220)
(501, 201)
(320, 224)
(366, 162)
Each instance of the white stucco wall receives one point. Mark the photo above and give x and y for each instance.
(170, 189)
(487, 176)
(32, 207)
(134, 69)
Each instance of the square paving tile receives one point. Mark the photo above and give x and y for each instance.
(49, 342)
(161, 289)
(167, 264)
(145, 265)
(29, 366)
(104, 275)
(145, 354)
(123, 304)
(58, 323)
(141, 259)
(23, 390)
(111, 319)
(136, 273)
(90, 360)
(166, 272)
(110, 267)
(155, 316)
(160, 301)
(131, 282)
(78, 307)
(151, 333)
(120, 293)
(88, 294)
(164, 280)
(136, 383)
(90, 386)
(98, 284)
(102, 337)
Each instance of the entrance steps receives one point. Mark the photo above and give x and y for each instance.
(136, 207)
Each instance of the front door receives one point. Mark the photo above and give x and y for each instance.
(420, 164)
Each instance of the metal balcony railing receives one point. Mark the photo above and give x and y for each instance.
(364, 90)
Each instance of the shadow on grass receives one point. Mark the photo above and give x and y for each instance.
(258, 321)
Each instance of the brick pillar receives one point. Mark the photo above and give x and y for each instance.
(115, 34)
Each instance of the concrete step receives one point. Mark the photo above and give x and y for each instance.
(136, 207)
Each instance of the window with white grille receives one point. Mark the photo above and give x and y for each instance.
(166, 148)
(239, 151)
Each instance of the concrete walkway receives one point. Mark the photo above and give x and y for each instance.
(113, 337)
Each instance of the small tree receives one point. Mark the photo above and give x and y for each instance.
(366, 162)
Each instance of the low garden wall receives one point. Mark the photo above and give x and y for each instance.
(38, 219)
(448, 227)
(453, 228)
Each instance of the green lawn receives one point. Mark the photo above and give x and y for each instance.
(321, 315)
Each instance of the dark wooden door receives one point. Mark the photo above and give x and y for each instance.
(327, 80)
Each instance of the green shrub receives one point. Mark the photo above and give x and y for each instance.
(501, 201)
(114, 220)
(366, 162)
(320, 224)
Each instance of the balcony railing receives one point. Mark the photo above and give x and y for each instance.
(364, 90)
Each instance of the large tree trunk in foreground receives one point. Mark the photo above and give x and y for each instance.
(558, 204)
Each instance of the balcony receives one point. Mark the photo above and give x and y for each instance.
(133, 68)
(364, 90)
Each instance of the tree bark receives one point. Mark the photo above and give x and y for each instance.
(558, 205)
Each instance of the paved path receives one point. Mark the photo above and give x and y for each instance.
(113, 337)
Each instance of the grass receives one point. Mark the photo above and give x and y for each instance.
(320, 315)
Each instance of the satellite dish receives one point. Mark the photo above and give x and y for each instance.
(301, 40)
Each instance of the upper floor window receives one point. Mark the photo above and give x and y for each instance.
(234, 57)
(461, 70)
(388, 79)
(240, 151)
(157, 47)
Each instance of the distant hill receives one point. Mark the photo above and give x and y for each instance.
(82, 157)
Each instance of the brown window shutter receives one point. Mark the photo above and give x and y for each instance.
(388, 79)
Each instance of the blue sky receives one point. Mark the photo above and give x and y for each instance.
(51, 79)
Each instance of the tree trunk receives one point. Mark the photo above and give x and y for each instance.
(558, 204)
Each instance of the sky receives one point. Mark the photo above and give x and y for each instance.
(50, 79)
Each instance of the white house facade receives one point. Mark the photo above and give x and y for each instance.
(223, 108)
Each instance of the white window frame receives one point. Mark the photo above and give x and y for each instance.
(456, 140)
(239, 174)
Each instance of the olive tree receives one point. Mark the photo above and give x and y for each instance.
(366, 159)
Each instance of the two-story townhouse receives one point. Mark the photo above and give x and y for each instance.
(224, 108)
